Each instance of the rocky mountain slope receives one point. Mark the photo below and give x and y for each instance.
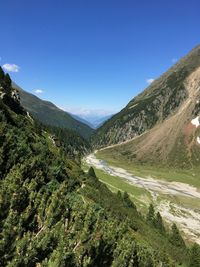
(54, 214)
(175, 93)
(49, 114)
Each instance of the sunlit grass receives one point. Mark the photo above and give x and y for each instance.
(191, 177)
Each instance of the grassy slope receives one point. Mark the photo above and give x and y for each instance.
(142, 197)
(118, 157)
(139, 195)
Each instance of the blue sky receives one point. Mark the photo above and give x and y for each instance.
(94, 54)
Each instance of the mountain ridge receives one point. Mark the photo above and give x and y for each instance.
(49, 114)
(153, 106)
(93, 121)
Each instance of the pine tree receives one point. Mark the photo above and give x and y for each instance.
(159, 223)
(194, 257)
(176, 238)
(151, 215)
(91, 172)
(119, 194)
(127, 201)
(1, 74)
(7, 80)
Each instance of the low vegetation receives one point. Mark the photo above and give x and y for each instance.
(54, 214)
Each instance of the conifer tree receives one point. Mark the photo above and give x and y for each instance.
(91, 172)
(127, 201)
(159, 223)
(151, 215)
(1, 73)
(119, 194)
(175, 237)
(7, 80)
(194, 257)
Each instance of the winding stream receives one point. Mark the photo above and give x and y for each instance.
(150, 184)
(188, 219)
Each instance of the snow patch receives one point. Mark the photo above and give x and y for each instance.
(196, 122)
(198, 140)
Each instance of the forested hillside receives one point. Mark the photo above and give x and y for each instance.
(49, 114)
(54, 214)
(74, 145)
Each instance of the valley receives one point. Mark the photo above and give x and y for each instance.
(100, 134)
(137, 194)
(176, 201)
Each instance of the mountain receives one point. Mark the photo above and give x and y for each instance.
(98, 121)
(52, 213)
(49, 114)
(159, 122)
(94, 121)
(79, 118)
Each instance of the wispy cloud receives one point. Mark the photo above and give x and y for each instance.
(39, 91)
(11, 67)
(149, 81)
(174, 60)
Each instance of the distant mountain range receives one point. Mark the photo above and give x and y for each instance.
(94, 121)
(50, 114)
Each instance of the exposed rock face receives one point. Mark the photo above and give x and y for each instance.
(173, 141)
(15, 95)
(8, 95)
(2, 92)
(159, 101)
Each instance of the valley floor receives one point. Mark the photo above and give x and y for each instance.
(176, 201)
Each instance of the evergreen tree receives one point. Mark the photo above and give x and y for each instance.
(91, 172)
(159, 223)
(7, 80)
(194, 257)
(127, 201)
(176, 238)
(119, 194)
(151, 215)
(1, 73)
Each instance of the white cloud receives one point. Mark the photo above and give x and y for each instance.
(11, 67)
(174, 60)
(149, 81)
(39, 91)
